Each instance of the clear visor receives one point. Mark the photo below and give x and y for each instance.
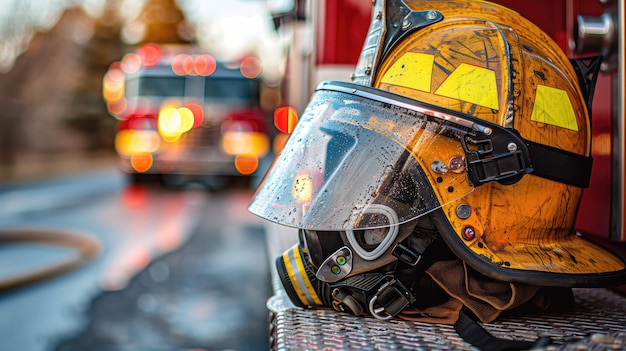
(363, 160)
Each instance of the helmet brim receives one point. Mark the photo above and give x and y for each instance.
(570, 261)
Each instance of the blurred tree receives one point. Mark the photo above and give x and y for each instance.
(90, 115)
(13, 33)
(160, 21)
(51, 94)
(38, 90)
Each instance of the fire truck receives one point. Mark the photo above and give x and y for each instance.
(327, 44)
(184, 114)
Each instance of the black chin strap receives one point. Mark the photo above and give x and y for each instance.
(474, 334)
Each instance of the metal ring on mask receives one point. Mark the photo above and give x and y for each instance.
(378, 313)
(387, 241)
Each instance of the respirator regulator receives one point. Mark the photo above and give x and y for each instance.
(340, 271)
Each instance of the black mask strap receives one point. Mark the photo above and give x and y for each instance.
(477, 336)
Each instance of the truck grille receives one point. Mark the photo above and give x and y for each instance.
(203, 137)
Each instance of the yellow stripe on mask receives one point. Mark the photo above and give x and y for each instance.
(307, 283)
(294, 280)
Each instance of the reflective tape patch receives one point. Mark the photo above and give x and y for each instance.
(553, 106)
(472, 84)
(300, 281)
(413, 70)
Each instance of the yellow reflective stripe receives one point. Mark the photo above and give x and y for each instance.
(299, 279)
(305, 279)
(293, 279)
(472, 84)
(553, 106)
(412, 70)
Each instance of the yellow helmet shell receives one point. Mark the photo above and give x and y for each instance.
(487, 61)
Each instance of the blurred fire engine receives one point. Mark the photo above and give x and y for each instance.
(184, 112)
(330, 42)
(195, 98)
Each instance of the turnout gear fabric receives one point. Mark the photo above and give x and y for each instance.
(486, 298)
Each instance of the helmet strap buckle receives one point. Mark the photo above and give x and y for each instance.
(406, 254)
(499, 157)
(343, 302)
(390, 299)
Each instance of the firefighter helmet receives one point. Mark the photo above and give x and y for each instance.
(464, 122)
(488, 62)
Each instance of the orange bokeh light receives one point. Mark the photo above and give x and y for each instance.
(188, 65)
(205, 65)
(131, 63)
(183, 64)
(141, 163)
(246, 165)
(198, 114)
(252, 144)
(117, 107)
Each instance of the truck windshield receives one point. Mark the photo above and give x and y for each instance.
(232, 90)
(157, 86)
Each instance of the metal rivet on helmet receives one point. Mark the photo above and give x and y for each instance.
(463, 211)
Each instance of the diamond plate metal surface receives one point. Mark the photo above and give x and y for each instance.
(598, 323)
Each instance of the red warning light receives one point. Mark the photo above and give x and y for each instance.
(150, 54)
(198, 114)
(205, 65)
(251, 67)
(285, 119)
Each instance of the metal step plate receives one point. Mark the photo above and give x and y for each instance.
(597, 323)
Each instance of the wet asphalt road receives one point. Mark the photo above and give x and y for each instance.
(179, 269)
(205, 296)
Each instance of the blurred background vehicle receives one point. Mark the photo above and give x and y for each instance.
(182, 112)
(126, 59)
(190, 110)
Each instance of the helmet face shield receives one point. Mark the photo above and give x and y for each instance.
(361, 158)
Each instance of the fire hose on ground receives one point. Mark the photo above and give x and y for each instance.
(86, 247)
